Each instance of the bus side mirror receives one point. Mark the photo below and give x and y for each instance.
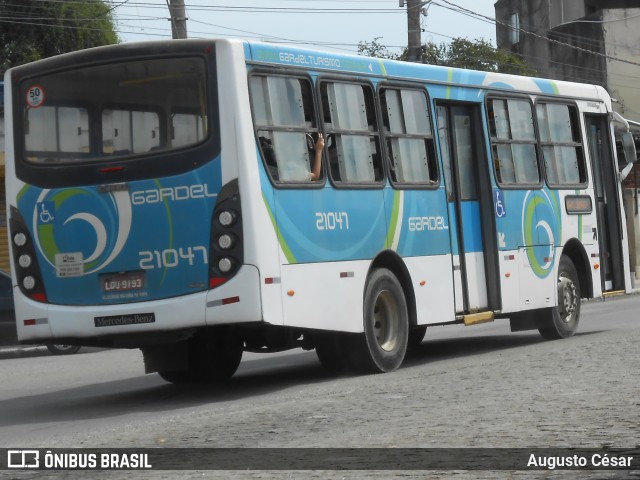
(630, 155)
(629, 147)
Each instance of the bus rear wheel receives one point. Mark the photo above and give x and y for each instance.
(562, 321)
(416, 335)
(332, 350)
(213, 357)
(222, 354)
(383, 345)
(178, 376)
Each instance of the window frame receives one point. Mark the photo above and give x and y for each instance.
(301, 75)
(432, 155)
(120, 169)
(577, 126)
(494, 141)
(375, 135)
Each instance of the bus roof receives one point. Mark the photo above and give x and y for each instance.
(292, 56)
(285, 55)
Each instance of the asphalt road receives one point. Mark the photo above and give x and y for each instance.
(476, 386)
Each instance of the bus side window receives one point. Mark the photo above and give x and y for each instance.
(409, 140)
(561, 144)
(284, 118)
(513, 141)
(349, 115)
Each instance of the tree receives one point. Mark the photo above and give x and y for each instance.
(375, 49)
(460, 53)
(480, 55)
(32, 29)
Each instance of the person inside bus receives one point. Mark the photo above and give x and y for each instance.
(314, 174)
(316, 166)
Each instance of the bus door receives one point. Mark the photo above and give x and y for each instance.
(605, 180)
(472, 226)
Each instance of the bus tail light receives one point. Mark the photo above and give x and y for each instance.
(226, 245)
(227, 218)
(24, 258)
(29, 283)
(216, 281)
(225, 264)
(225, 241)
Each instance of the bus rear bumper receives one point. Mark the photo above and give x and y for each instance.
(237, 301)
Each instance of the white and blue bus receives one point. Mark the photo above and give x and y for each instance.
(161, 196)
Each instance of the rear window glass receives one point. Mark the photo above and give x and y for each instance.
(119, 110)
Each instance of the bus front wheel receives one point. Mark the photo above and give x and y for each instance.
(386, 324)
(562, 321)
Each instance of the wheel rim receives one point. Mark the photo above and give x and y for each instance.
(386, 321)
(567, 298)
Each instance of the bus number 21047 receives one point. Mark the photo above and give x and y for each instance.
(172, 257)
(332, 221)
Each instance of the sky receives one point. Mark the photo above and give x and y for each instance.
(337, 25)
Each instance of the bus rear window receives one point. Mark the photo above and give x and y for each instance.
(115, 111)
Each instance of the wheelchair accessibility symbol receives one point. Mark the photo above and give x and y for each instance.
(498, 200)
(45, 212)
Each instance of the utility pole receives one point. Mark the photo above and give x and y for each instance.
(414, 31)
(178, 19)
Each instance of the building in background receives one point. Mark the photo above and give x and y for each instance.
(590, 41)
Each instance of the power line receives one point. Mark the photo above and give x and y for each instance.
(311, 8)
(527, 32)
(73, 27)
(588, 70)
(588, 73)
(254, 9)
(118, 5)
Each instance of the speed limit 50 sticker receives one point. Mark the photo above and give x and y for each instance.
(35, 96)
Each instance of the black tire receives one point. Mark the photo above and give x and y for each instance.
(213, 357)
(181, 376)
(222, 356)
(416, 335)
(383, 345)
(63, 349)
(562, 321)
(330, 349)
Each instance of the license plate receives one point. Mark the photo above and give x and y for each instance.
(122, 282)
